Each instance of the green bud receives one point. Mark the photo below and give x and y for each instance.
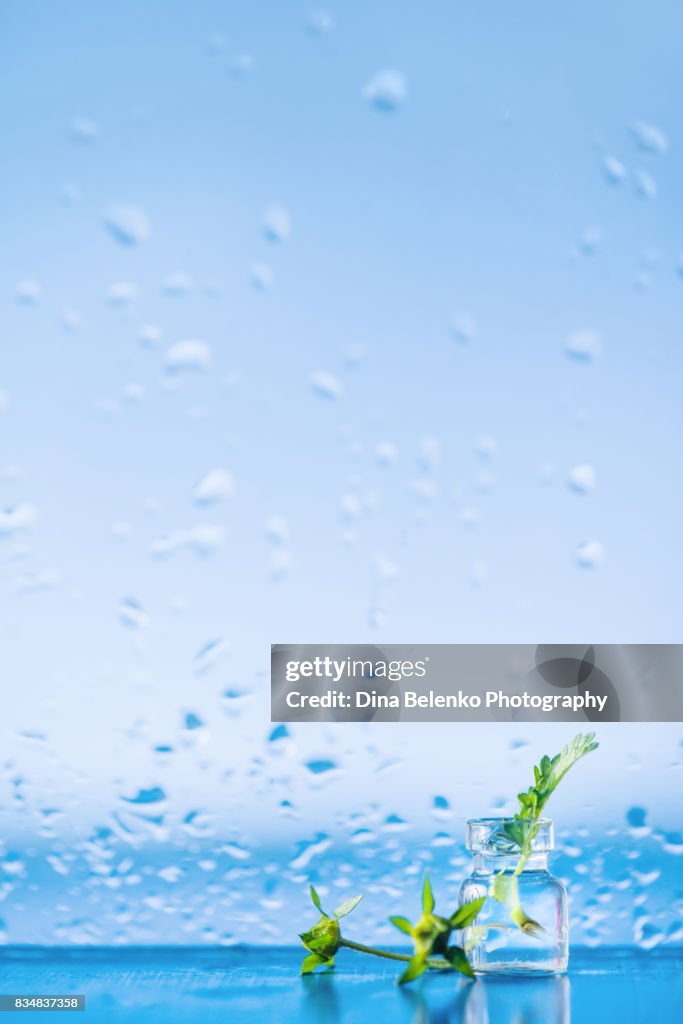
(431, 934)
(323, 938)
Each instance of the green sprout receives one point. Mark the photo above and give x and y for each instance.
(430, 937)
(324, 938)
(523, 828)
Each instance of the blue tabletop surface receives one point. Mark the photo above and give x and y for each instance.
(235, 985)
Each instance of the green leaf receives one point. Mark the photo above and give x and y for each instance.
(415, 968)
(465, 914)
(316, 901)
(549, 773)
(403, 924)
(427, 896)
(314, 960)
(458, 960)
(347, 906)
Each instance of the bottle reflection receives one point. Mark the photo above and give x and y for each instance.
(519, 1000)
(489, 1000)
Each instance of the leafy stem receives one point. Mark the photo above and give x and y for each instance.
(523, 828)
(431, 937)
(405, 957)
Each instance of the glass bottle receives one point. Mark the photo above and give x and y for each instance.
(522, 927)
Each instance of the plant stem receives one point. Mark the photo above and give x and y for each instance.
(360, 948)
(526, 847)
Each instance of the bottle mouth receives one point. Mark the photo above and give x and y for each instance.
(500, 837)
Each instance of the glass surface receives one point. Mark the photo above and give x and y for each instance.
(392, 439)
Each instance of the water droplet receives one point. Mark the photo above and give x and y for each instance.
(217, 484)
(280, 732)
(464, 328)
(485, 446)
(386, 453)
(308, 849)
(320, 766)
(121, 530)
(39, 580)
(386, 90)
(235, 851)
(469, 517)
(649, 138)
(178, 284)
(584, 345)
(71, 320)
(591, 240)
(280, 562)
(208, 656)
(350, 507)
(240, 64)
(83, 129)
(613, 169)
(132, 614)
(150, 336)
(153, 795)
(673, 843)
(325, 384)
(590, 555)
(171, 874)
(15, 518)
(57, 864)
(235, 700)
(276, 223)
(33, 734)
(204, 540)
(582, 478)
(133, 392)
(276, 530)
(28, 292)
(479, 574)
(261, 276)
(192, 721)
(395, 823)
(386, 568)
(70, 193)
(425, 490)
(188, 355)
(320, 22)
(354, 356)
(127, 224)
(200, 824)
(441, 808)
(377, 618)
(645, 184)
(122, 294)
(442, 839)
(429, 455)
(13, 865)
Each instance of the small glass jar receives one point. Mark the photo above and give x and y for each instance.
(522, 927)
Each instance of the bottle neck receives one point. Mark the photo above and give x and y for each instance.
(488, 864)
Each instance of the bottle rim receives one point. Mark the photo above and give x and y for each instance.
(488, 836)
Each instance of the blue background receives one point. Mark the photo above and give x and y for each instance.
(484, 196)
